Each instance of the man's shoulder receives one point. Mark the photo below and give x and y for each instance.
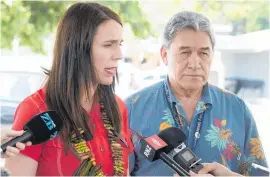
(219, 94)
(145, 94)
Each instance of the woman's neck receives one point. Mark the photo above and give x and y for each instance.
(89, 99)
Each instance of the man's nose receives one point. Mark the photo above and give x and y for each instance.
(194, 61)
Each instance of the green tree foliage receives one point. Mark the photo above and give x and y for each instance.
(130, 12)
(32, 21)
(245, 16)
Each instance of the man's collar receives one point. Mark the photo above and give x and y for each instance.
(206, 97)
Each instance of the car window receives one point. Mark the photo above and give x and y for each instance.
(149, 78)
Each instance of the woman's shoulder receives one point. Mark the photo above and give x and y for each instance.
(30, 106)
(119, 100)
(121, 103)
(122, 109)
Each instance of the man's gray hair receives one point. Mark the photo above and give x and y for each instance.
(187, 20)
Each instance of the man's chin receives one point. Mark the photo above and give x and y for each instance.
(194, 85)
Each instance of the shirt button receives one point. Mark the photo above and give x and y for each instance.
(102, 149)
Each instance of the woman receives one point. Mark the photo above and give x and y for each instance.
(95, 139)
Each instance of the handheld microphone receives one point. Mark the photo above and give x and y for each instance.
(169, 146)
(153, 148)
(38, 129)
(180, 153)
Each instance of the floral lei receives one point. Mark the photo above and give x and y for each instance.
(88, 165)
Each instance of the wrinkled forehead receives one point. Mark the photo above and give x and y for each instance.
(189, 38)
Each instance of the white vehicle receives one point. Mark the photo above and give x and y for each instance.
(153, 76)
(19, 78)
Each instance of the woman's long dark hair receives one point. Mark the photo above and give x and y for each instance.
(73, 70)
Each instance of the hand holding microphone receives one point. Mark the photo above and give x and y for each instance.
(214, 169)
(12, 151)
(38, 129)
(169, 146)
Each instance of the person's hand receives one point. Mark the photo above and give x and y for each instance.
(12, 151)
(214, 169)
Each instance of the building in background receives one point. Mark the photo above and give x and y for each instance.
(246, 60)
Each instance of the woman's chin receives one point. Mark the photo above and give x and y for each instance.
(107, 81)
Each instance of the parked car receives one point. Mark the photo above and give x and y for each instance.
(245, 87)
(153, 76)
(19, 79)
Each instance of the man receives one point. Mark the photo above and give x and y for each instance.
(218, 124)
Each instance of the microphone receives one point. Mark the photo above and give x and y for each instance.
(178, 151)
(169, 146)
(38, 129)
(153, 148)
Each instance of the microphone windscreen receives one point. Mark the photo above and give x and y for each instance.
(44, 126)
(173, 136)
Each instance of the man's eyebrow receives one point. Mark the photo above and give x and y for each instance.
(205, 48)
(184, 47)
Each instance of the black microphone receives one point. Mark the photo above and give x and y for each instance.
(178, 151)
(38, 129)
(153, 148)
(169, 146)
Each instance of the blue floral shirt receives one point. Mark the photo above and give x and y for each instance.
(227, 135)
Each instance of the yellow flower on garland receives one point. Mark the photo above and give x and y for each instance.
(256, 148)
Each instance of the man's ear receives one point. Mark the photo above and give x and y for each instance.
(164, 55)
